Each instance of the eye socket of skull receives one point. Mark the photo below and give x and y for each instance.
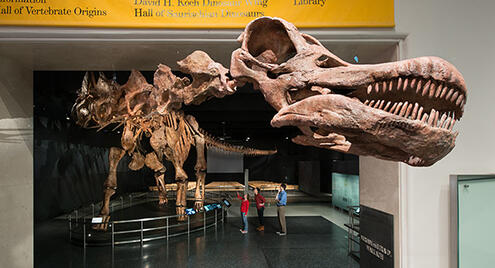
(269, 42)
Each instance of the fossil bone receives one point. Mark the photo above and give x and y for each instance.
(345, 113)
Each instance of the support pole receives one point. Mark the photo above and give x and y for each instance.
(70, 228)
(188, 226)
(141, 233)
(113, 235)
(246, 181)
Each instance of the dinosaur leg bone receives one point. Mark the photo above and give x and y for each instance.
(162, 190)
(200, 168)
(156, 165)
(181, 199)
(110, 185)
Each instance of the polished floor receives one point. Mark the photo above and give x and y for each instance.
(312, 241)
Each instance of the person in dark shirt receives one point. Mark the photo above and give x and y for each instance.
(281, 203)
(244, 211)
(260, 206)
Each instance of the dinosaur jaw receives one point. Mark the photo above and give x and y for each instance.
(347, 125)
(402, 111)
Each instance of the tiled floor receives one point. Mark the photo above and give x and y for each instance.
(312, 241)
(322, 209)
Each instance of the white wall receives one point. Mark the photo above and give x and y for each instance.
(463, 33)
(16, 164)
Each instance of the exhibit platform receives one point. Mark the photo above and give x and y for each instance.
(230, 186)
(139, 221)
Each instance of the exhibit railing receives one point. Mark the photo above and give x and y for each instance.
(353, 231)
(163, 227)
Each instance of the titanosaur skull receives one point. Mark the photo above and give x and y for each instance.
(400, 111)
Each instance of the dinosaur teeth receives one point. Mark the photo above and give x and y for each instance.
(397, 109)
(409, 110)
(381, 104)
(426, 88)
(404, 109)
(393, 108)
(432, 90)
(454, 96)
(424, 118)
(445, 89)
(420, 112)
(413, 83)
(431, 117)
(418, 88)
(442, 120)
(376, 104)
(447, 123)
(459, 100)
(388, 105)
(449, 94)
(452, 122)
(439, 90)
(415, 111)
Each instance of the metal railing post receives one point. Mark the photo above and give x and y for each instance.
(141, 233)
(167, 228)
(84, 234)
(70, 228)
(77, 217)
(188, 226)
(113, 235)
(204, 221)
(215, 218)
(222, 214)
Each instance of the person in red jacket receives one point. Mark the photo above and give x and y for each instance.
(260, 206)
(244, 211)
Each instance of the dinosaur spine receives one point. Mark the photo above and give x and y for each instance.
(213, 142)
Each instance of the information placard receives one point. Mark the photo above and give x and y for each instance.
(195, 13)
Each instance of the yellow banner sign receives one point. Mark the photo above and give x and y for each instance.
(195, 13)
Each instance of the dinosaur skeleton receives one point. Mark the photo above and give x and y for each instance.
(400, 111)
(154, 111)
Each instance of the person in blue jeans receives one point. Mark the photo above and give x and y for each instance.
(244, 211)
(281, 203)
